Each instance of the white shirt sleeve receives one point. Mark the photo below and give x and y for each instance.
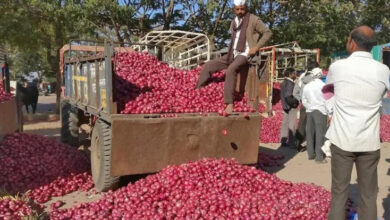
(331, 78)
(304, 98)
(329, 105)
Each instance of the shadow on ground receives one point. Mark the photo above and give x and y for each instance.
(49, 132)
(386, 206)
(288, 154)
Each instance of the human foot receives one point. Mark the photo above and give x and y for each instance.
(229, 109)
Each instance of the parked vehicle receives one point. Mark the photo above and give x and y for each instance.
(140, 143)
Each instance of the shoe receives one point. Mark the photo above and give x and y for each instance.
(312, 158)
(283, 142)
(321, 161)
(301, 148)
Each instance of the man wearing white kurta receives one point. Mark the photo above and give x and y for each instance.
(360, 83)
(314, 102)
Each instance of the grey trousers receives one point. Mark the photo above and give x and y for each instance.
(289, 123)
(367, 177)
(301, 131)
(315, 134)
(239, 65)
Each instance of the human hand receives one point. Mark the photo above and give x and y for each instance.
(253, 51)
(329, 120)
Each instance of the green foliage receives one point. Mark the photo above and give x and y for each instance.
(36, 30)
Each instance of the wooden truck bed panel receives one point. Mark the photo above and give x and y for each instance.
(147, 145)
(8, 118)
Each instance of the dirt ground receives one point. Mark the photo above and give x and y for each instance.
(296, 167)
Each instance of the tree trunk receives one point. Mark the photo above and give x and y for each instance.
(212, 41)
(168, 16)
(55, 60)
(219, 17)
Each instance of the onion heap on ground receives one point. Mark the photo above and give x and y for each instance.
(143, 85)
(208, 189)
(4, 96)
(270, 127)
(42, 166)
(14, 209)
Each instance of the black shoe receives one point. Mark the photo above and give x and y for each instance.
(283, 142)
(301, 148)
(312, 158)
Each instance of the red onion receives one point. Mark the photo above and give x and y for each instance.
(143, 85)
(385, 128)
(14, 209)
(207, 189)
(44, 166)
(4, 96)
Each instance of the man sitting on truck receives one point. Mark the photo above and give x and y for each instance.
(249, 34)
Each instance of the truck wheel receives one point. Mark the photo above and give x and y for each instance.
(69, 124)
(101, 157)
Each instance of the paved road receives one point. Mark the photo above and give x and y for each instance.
(297, 168)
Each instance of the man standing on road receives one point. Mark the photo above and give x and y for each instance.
(297, 93)
(249, 34)
(314, 103)
(360, 83)
(290, 104)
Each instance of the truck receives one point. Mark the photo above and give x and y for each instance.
(129, 144)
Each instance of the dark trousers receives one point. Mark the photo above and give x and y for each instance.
(239, 64)
(367, 177)
(315, 134)
(301, 131)
(6, 85)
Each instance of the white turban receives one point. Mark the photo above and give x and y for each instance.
(317, 72)
(239, 2)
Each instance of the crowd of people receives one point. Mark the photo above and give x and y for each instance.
(303, 94)
(340, 118)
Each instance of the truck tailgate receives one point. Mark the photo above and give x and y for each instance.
(147, 145)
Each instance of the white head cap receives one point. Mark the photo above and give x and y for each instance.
(317, 72)
(239, 2)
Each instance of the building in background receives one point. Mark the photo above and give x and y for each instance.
(380, 53)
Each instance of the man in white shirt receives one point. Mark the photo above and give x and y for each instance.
(249, 34)
(297, 93)
(360, 83)
(314, 102)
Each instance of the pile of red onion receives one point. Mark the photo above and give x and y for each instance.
(44, 166)
(270, 127)
(4, 96)
(207, 189)
(385, 128)
(143, 85)
(14, 209)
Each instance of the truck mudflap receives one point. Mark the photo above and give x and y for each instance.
(147, 145)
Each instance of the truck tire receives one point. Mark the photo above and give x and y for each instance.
(69, 124)
(101, 157)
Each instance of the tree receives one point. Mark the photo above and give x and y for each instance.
(209, 17)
